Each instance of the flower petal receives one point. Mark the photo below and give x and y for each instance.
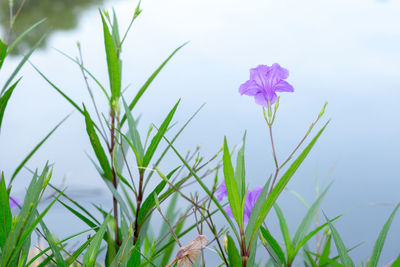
(258, 75)
(261, 100)
(250, 88)
(221, 192)
(283, 86)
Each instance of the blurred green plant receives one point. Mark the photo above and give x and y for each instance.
(59, 14)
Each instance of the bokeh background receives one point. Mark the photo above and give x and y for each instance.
(344, 52)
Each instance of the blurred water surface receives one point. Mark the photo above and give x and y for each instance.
(343, 52)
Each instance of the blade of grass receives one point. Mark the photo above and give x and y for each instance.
(377, 250)
(4, 100)
(343, 255)
(148, 82)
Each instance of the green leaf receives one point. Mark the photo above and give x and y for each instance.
(89, 259)
(233, 253)
(273, 247)
(53, 245)
(344, 256)
(376, 252)
(232, 187)
(112, 62)
(58, 90)
(96, 145)
(149, 202)
(326, 251)
(134, 134)
(308, 219)
(240, 173)
(148, 82)
(277, 190)
(22, 35)
(284, 230)
(3, 51)
(5, 213)
(310, 235)
(4, 100)
(396, 263)
(21, 63)
(123, 253)
(157, 138)
(205, 188)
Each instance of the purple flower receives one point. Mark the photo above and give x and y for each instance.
(250, 201)
(221, 192)
(13, 202)
(264, 82)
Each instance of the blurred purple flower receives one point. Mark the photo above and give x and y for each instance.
(221, 192)
(250, 201)
(264, 82)
(13, 202)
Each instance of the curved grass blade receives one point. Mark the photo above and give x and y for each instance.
(284, 230)
(343, 255)
(89, 259)
(4, 100)
(22, 35)
(148, 82)
(235, 201)
(5, 213)
(114, 72)
(377, 250)
(97, 147)
(21, 63)
(307, 220)
(157, 138)
(273, 244)
(3, 51)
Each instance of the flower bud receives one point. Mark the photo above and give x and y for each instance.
(225, 243)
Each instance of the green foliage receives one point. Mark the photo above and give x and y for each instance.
(126, 235)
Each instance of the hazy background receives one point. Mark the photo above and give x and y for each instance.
(343, 52)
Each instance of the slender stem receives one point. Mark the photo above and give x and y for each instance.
(91, 93)
(115, 181)
(243, 248)
(275, 158)
(139, 200)
(11, 23)
(301, 141)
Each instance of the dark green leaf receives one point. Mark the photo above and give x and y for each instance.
(273, 247)
(97, 147)
(3, 51)
(112, 63)
(4, 100)
(233, 253)
(231, 186)
(159, 135)
(5, 213)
